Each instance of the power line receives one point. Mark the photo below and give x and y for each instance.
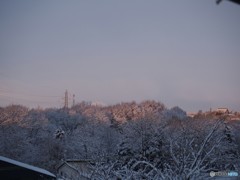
(31, 98)
(36, 98)
(4, 93)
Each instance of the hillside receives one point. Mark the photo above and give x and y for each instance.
(142, 140)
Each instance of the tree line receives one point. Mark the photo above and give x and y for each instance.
(126, 141)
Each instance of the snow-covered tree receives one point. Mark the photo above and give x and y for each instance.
(174, 113)
(192, 156)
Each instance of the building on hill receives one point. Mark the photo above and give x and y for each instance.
(221, 111)
(191, 114)
(13, 170)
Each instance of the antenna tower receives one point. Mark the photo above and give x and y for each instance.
(66, 99)
(73, 104)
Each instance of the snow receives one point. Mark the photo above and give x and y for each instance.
(30, 167)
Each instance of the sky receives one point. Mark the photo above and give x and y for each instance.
(181, 53)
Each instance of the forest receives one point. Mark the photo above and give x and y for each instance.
(129, 140)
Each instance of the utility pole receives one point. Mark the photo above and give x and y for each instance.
(66, 99)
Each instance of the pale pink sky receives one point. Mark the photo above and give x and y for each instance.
(184, 53)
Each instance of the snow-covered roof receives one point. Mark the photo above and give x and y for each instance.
(78, 160)
(74, 168)
(26, 166)
(73, 160)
